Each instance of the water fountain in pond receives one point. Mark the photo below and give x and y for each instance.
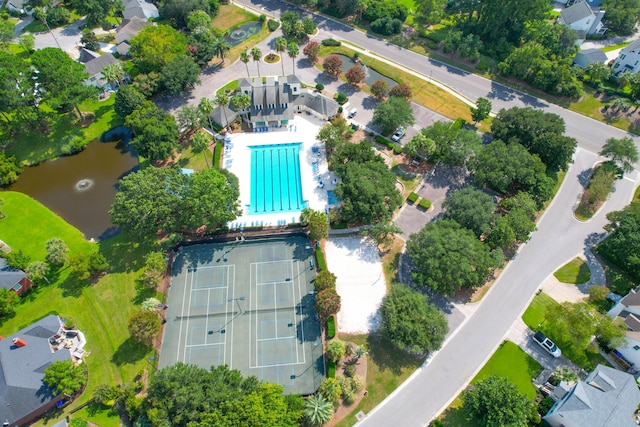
(84, 185)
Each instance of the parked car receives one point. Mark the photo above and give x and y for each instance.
(398, 134)
(353, 112)
(548, 345)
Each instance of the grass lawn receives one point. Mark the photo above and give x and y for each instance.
(575, 272)
(424, 93)
(231, 16)
(387, 368)
(101, 310)
(508, 361)
(190, 160)
(615, 46)
(35, 26)
(33, 147)
(618, 280)
(512, 362)
(535, 313)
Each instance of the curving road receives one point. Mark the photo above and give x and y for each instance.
(558, 239)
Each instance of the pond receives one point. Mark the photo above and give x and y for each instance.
(82, 187)
(370, 75)
(241, 33)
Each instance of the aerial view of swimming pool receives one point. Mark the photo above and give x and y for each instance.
(275, 179)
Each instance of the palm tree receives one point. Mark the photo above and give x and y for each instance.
(240, 102)
(245, 57)
(222, 100)
(293, 50)
(317, 410)
(256, 55)
(206, 107)
(200, 144)
(220, 48)
(113, 73)
(281, 46)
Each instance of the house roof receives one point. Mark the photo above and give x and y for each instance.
(22, 390)
(590, 56)
(634, 46)
(86, 55)
(139, 8)
(129, 28)
(606, 398)
(123, 48)
(576, 12)
(631, 320)
(96, 65)
(632, 299)
(9, 276)
(17, 4)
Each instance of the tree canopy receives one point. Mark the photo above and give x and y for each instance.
(454, 145)
(178, 11)
(144, 326)
(156, 45)
(180, 74)
(622, 246)
(65, 377)
(156, 132)
(495, 401)
(186, 395)
(623, 152)
(539, 132)
(393, 113)
(471, 208)
(448, 257)
(318, 223)
(156, 199)
(410, 322)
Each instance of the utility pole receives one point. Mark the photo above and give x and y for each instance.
(44, 20)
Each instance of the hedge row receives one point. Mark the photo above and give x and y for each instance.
(322, 262)
(331, 327)
(384, 141)
(272, 25)
(331, 42)
(331, 369)
(413, 197)
(425, 204)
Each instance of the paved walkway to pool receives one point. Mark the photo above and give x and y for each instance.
(303, 129)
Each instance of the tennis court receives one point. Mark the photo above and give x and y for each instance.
(248, 305)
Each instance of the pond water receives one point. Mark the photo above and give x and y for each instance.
(370, 75)
(243, 32)
(82, 187)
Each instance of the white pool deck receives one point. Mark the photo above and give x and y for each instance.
(237, 159)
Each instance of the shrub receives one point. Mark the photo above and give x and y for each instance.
(386, 26)
(331, 42)
(335, 350)
(425, 204)
(331, 327)
(341, 98)
(413, 197)
(350, 370)
(73, 144)
(331, 369)
(325, 280)
(397, 149)
(262, 18)
(433, 44)
(483, 66)
(320, 87)
(272, 25)
(384, 141)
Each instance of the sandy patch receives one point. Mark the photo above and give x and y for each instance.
(360, 283)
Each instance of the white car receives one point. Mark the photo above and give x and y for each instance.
(548, 345)
(398, 134)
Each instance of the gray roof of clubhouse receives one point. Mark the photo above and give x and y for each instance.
(22, 389)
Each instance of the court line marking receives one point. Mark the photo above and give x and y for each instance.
(304, 356)
(184, 298)
(205, 345)
(275, 339)
(194, 274)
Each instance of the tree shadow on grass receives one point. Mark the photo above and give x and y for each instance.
(96, 408)
(143, 293)
(73, 287)
(129, 353)
(386, 356)
(124, 252)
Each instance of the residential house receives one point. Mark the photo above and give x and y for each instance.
(628, 310)
(628, 59)
(13, 279)
(140, 8)
(606, 398)
(583, 19)
(94, 68)
(126, 30)
(274, 102)
(589, 56)
(24, 356)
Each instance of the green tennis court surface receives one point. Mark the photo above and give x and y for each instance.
(247, 305)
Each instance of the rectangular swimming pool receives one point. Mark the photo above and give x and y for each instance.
(276, 185)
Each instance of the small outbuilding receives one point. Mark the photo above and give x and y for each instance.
(589, 56)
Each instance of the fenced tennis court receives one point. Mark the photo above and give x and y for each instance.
(248, 305)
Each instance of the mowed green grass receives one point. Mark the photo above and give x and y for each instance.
(575, 272)
(535, 313)
(101, 310)
(511, 362)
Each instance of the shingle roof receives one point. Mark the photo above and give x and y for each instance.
(606, 398)
(590, 56)
(632, 299)
(576, 12)
(96, 65)
(9, 276)
(129, 28)
(22, 390)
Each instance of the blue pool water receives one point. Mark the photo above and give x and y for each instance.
(276, 185)
(332, 197)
